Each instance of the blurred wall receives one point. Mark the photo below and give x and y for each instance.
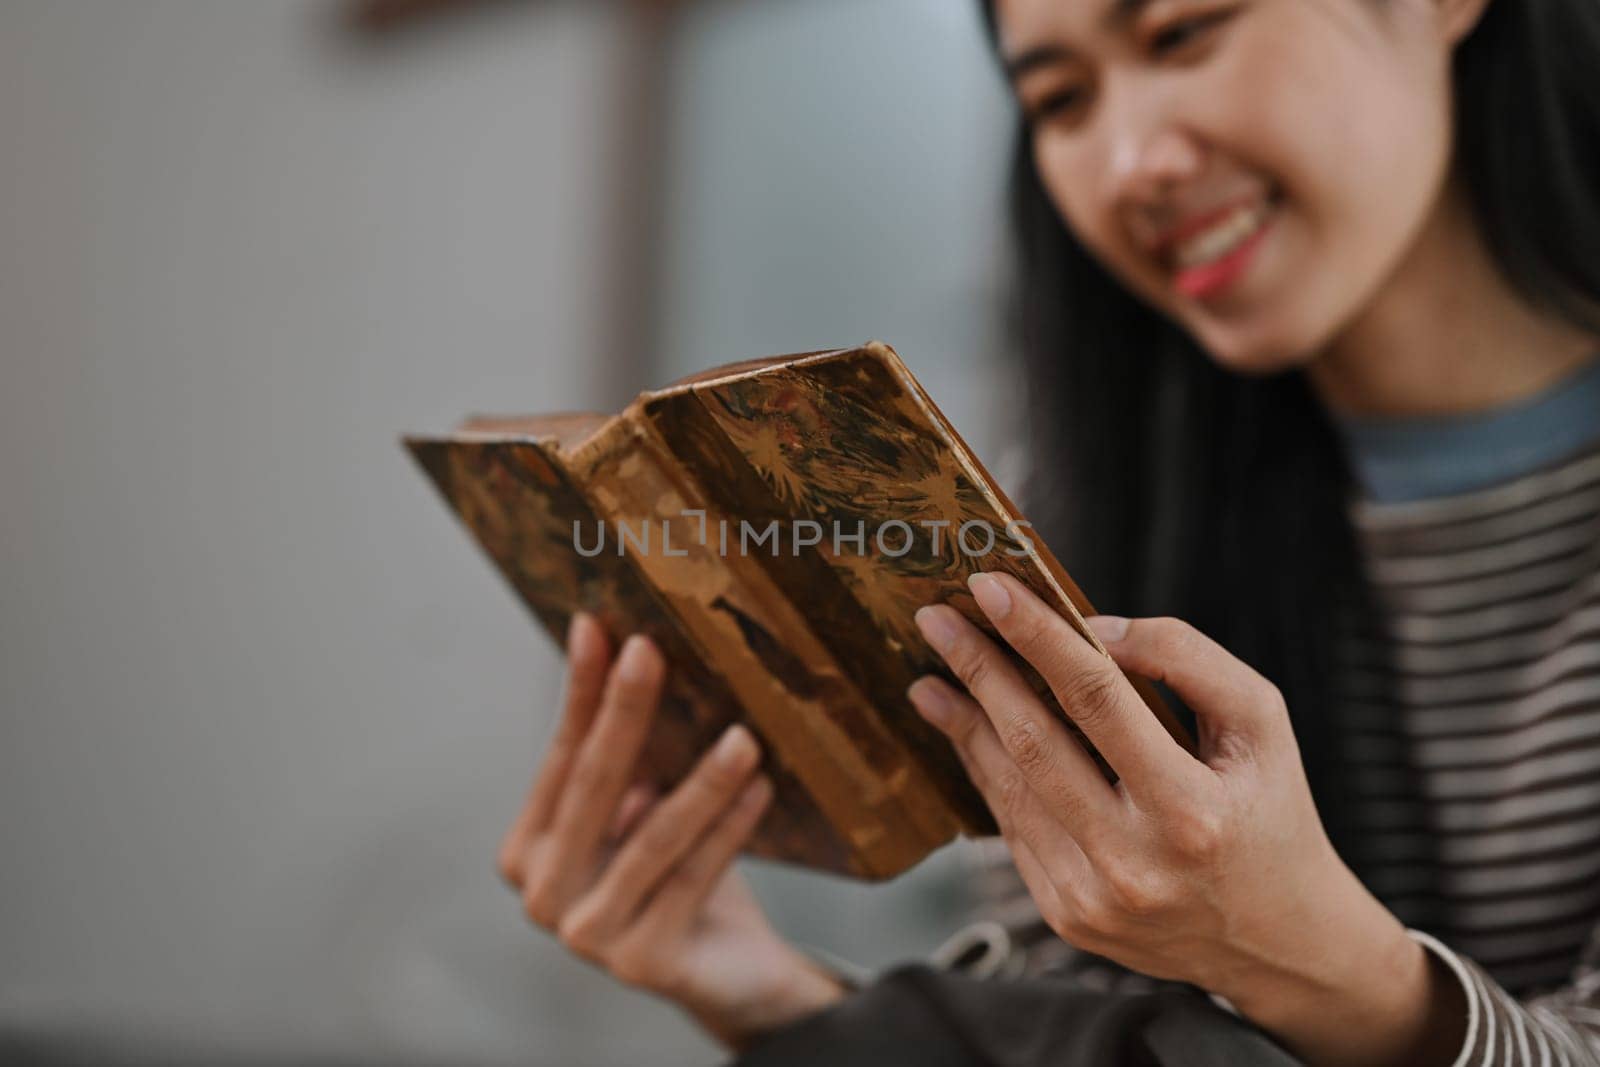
(837, 176)
(264, 710)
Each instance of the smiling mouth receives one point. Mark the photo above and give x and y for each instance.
(1206, 261)
(1228, 234)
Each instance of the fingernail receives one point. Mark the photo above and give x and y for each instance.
(734, 746)
(634, 664)
(574, 626)
(936, 627)
(931, 700)
(1108, 628)
(991, 595)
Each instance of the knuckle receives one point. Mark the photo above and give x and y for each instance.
(1063, 875)
(1272, 701)
(1081, 918)
(972, 666)
(1092, 698)
(1011, 793)
(1055, 915)
(538, 903)
(1198, 834)
(578, 931)
(1098, 915)
(1139, 894)
(509, 862)
(1169, 634)
(1030, 747)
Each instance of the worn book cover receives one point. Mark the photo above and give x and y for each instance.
(773, 525)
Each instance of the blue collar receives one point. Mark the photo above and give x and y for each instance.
(1400, 459)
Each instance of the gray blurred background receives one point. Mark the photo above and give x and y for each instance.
(264, 708)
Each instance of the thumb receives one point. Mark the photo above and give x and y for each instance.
(1217, 685)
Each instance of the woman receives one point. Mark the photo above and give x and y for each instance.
(1311, 291)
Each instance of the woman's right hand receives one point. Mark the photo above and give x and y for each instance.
(643, 887)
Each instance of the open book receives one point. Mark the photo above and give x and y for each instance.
(773, 525)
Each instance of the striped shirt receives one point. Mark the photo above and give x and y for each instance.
(1474, 746)
(1473, 740)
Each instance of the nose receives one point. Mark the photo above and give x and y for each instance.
(1151, 154)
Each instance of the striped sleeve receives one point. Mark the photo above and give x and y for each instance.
(1557, 1029)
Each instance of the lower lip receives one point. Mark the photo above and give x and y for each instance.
(1214, 278)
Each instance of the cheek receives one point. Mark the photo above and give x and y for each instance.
(1359, 143)
(1068, 178)
(1355, 142)
(1073, 173)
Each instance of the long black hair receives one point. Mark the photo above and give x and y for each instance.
(1169, 486)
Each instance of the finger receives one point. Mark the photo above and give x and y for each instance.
(600, 772)
(1032, 829)
(1220, 688)
(682, 893)
(663, 839)
(1089, 686)
(1047, 897)
(635, 804)
(1051, 758)
(1038, 883)
(589, 658)
(588, 655)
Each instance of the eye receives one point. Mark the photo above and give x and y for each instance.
(1056, 103)
(1183, 32)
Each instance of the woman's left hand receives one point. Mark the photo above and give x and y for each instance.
(1211, 868)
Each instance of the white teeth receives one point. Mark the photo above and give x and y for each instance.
(1221, 239)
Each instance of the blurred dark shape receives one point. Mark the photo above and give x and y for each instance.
(386, 16)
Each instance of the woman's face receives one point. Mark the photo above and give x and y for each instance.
(1255, 169)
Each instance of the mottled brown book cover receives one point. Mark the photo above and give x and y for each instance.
(774, 525)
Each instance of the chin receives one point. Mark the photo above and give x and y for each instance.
(1256, 349)
(1256, 357)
